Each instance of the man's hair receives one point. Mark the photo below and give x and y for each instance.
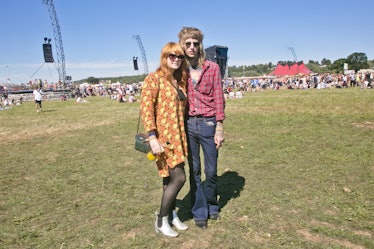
(193, 33)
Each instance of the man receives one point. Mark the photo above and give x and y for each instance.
(206, 106)
(38, 99)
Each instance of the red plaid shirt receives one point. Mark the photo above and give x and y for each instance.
(206, 98)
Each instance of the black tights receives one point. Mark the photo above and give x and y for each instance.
(171, 186)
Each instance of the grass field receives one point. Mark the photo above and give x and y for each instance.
(296, 171)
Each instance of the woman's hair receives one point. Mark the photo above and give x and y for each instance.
(180, 74)
(193, 33)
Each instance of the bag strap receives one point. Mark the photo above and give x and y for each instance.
(181, 94)
(137, 130)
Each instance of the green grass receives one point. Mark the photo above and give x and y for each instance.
(296, 171)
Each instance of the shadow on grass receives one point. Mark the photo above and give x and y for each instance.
(229, 185)
(48, 110)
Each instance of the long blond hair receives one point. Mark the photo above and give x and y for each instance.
(180, 74)
(193, 33)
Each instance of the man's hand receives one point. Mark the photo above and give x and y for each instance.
(219, 136)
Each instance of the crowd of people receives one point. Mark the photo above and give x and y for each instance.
(7, 101)
(235, 87)
(120, 92)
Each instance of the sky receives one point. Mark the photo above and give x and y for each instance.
(98, 35)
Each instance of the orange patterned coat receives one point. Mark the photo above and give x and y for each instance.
(161, 110)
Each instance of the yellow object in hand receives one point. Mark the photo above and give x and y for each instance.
(150, 156)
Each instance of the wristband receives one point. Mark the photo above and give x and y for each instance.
(219, 129)
(151, 133)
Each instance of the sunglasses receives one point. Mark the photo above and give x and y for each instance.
(195, 44)
(172, 57)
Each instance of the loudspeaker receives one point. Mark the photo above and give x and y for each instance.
(218, 54)
(135, 61)
(47, 51)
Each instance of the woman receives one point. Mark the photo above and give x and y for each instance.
(163, 102)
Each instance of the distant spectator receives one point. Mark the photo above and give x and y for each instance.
(368, 79)
(132, 97)
(80, 100)
(239, 94)
(63, 97)
(225, 93)
(38, 99)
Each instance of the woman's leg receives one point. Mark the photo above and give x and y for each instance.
(172, 185)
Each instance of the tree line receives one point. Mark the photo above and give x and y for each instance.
(355, 61)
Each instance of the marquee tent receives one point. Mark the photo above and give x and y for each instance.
(294, 69)
(280, 70)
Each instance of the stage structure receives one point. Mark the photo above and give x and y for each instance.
(218, 54)
(144, 57)
(293, 53)
(58, 41)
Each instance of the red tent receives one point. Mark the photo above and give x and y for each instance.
(303, 69)
(294, 69)
(280, 70)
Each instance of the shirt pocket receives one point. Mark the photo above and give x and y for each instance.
(205, 88)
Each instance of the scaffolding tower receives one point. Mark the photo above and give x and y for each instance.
(142, 51)
(58, 40)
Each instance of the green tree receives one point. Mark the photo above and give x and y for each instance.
(93, 80)
(371, 64)
(357, 61)
(313, 62)
(338, 65)
(325, 62)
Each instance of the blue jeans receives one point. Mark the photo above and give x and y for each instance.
(200, 132)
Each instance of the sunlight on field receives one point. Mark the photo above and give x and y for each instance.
(296, 171)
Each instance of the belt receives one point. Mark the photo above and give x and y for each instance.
(201, 116)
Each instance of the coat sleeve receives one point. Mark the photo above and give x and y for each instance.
(148, 102)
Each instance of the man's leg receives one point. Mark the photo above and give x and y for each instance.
(207, 132)
(199, 207)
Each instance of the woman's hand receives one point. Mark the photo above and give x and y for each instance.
(156, 147)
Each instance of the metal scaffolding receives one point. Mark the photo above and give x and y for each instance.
(58, 40)
(144, 58)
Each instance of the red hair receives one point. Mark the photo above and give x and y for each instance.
(180, 74)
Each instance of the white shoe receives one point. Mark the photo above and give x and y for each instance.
(178, 223)
(165, 229)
